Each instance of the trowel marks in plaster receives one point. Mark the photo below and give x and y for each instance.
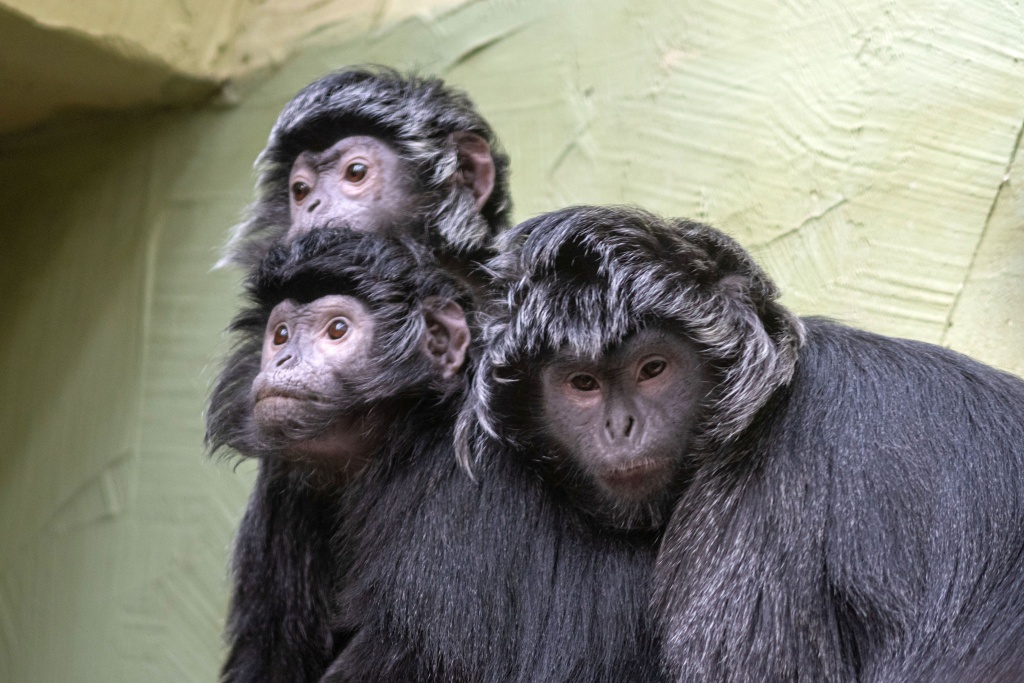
(855, 147)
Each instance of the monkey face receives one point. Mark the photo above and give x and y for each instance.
(359, 181)
(311, 353)
(624, 419)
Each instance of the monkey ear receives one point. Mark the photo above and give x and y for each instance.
(447, 338)
(476, 165)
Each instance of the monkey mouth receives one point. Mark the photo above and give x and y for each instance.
(638, 479)
(277, 393)
(277, 409)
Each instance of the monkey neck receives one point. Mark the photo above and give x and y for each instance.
(342, 451)
(414, 426)
(396, 431)
(390, 433)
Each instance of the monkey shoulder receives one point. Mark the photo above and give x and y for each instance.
(876, 386)
(912, 423)
(893, 447)
(886, 468)
(495, 576)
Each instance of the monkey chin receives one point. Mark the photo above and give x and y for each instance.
(638, 481)
(342, 447)
(278, 412)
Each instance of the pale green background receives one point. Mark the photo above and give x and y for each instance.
(865, 151)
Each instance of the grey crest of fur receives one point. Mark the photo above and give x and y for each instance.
(418, 115)
(391, 275)
(583, 278)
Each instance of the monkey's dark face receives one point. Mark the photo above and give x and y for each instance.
(359, 181)
(624, 419)
(311, 353)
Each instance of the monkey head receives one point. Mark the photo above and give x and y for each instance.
(374, 150)
(344, 326)
(622, 418)
(618, 349)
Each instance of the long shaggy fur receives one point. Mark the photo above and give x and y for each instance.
(865, 527)
(419, 116)
(584, 278)
(280, 626)
(281, 623)
(492, 580)
(853, 510)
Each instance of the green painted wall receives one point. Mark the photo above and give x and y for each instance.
(866, 151)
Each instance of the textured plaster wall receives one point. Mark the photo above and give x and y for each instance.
(866, 151)
(57, 55)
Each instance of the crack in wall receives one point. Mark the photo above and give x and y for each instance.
(1003, 183)
(813, 218)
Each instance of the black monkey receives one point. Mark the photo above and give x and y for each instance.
(503, 577)
(369, 148)
(852, 503)
(372, 149)
(344, 331)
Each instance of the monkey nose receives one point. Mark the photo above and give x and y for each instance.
(621, 428)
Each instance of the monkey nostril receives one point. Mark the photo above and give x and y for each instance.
(617, 429)
(281, 360)
(316, 203)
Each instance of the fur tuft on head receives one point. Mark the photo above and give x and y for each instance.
(419, 116)
(397, 279)
(584, 278)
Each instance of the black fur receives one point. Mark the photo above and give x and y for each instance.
(280, 624)
(497, 579)
(865, 527)
(442, 577)
(418, 116)
(277, 544)
(854, 508)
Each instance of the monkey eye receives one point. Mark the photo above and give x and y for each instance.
(337, 328)
(584, 383)
(280, 334)
(300, 190)
(651, 369)
(355, 171)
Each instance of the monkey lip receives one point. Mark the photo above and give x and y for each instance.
(636, 478)
(276, 408)
(274, 393)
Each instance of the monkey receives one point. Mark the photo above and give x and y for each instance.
(439, 576)
(370, 149)
(343, 332)
(849, 505)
